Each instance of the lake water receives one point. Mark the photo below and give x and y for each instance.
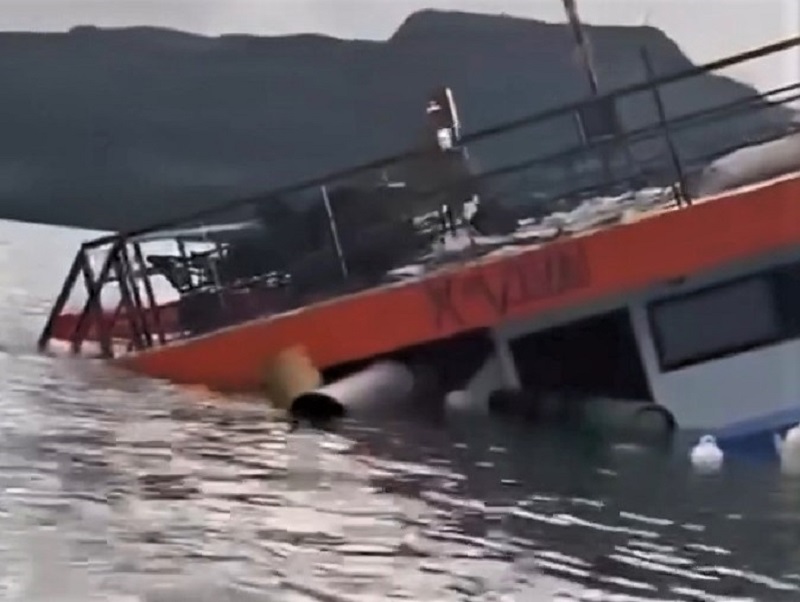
(113, 487)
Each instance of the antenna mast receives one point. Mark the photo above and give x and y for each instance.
(582, 44)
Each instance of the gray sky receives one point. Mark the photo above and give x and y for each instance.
(705, 29)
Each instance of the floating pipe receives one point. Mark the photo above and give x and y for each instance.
(603, 414)
(385, 383)
(633, 417)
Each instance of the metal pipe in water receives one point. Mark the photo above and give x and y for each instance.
(625, 417)
(334, 231)
(380, 385)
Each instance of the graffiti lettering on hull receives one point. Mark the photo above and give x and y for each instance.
(508, 284)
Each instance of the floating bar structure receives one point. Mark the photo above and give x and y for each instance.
(633, 266)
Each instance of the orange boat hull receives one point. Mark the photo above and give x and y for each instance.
(677, 243)
(166, 318)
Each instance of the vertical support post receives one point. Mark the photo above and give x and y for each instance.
(679, 190)
(211, 264)
(115, 314)
(583, 47)
(93, 299)
(126, 301)
(214, 259)
(104, 336)
(508, 367)
(334, 231)
(154, 309)
(61, 300)
(185, 260)
(136, 297)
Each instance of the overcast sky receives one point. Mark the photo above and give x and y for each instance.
(705, 29)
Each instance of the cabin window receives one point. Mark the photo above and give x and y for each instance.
(717, 322)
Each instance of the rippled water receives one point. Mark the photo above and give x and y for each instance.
(113, 487)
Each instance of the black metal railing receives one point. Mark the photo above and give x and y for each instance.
(344, 231)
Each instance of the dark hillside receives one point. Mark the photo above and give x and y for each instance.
(115, 128)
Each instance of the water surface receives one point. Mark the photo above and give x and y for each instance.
(114, 487)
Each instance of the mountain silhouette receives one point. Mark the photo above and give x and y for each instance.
(116, 128)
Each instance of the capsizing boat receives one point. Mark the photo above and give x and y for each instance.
(656, 281)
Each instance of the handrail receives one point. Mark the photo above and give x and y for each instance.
(632, 136)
